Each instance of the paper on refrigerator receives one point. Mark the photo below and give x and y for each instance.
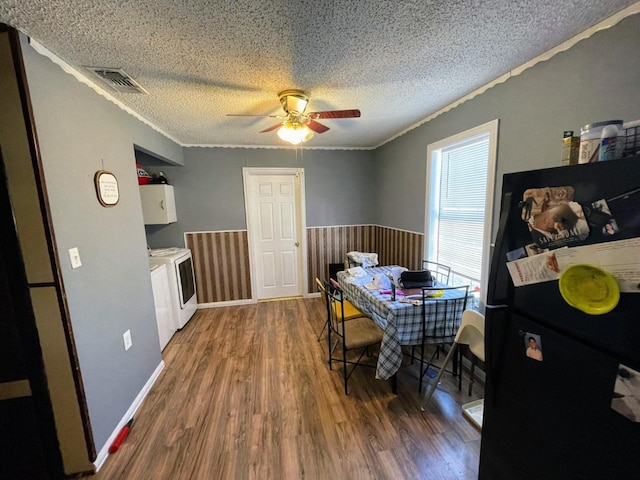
(539, 268)
(620, 258)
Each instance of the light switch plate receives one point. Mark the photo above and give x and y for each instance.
(74, 255)
(126, 337)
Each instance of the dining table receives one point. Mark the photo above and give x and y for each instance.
(400, 319)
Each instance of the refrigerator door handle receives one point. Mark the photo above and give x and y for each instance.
(499, 253)
(497, 307)
(495, 318)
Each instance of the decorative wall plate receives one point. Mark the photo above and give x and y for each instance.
(106, 188)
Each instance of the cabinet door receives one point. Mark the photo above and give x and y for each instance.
(158, 204)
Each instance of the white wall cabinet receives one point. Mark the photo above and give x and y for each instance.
(158, 204)
(162, 300)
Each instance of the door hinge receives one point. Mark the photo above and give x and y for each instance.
(15, 389)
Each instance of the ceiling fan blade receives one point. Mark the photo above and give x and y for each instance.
(336, 114)
(248, 115)
(271, 128)
(317, 126)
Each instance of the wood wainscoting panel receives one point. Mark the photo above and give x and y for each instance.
(330, 244)
(221, 265)
(399, 247)
(221, 259)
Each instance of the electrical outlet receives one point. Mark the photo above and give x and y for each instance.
(74, 255)
(126, 336)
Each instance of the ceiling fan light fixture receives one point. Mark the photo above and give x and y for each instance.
(293, 100)
(297, 125)
(295, 132)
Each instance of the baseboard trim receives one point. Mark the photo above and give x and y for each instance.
(233, 303)
(104, 451)
(230, 303)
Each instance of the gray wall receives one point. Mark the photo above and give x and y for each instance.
(339, 185)
(597, 79)
(80, 133)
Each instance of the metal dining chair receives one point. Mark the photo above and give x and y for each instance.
(356, 334)
(442, 309)
(439, 271)
(350, 311)
(471, 333)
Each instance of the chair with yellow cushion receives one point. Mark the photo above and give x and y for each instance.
(355, 335)
(350, 310)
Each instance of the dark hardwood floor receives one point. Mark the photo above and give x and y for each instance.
(247, 394)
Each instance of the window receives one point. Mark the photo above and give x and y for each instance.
(460, 179)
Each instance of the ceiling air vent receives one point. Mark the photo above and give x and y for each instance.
(118, 80)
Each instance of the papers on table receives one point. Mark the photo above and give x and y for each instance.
(356, 272)
(380, 282)
(357, 276)
(396, 272)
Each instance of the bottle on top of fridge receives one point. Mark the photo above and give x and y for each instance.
(609, 142)
(590, 136)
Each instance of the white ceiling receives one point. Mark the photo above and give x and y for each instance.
(397, 61)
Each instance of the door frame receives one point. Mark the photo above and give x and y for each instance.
(26, 390)
(301, 222)
(65, 421)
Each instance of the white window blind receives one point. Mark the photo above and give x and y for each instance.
(461, 206)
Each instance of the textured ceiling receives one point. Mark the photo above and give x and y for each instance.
(397, 61)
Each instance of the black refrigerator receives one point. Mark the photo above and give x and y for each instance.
(553, 419)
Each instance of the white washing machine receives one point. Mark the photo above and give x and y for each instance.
(182, 283)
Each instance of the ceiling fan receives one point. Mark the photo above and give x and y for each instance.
(296, 126)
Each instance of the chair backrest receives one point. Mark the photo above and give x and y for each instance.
(335, 305)
(438, 271)
(471, 332)
(334, 268)
(442, 309)
(350, 262)
(323, 291)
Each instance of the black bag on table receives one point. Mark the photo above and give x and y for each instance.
(416, 279)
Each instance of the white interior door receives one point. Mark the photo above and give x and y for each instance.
(273, 207)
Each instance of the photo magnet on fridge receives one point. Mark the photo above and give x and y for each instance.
(533, 346)
(626, 393)
(553, 218)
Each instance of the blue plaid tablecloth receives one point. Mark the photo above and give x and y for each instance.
(401, 322)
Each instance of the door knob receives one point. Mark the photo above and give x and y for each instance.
(297, 244)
